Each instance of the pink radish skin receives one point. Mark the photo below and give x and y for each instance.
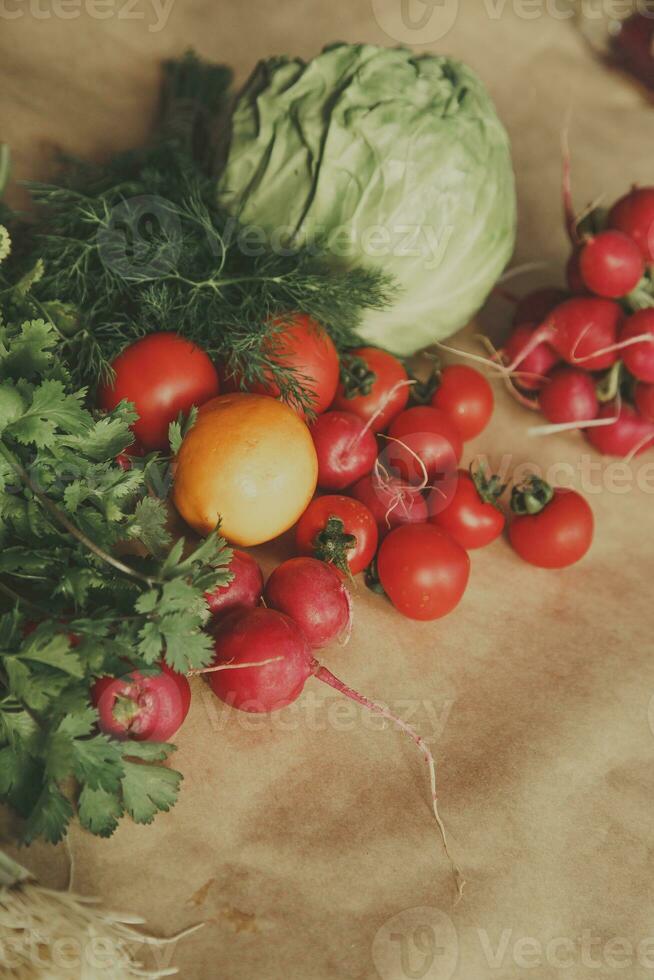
(633, 215)
(346, 449)
(569, 396)
(391, 502)
(583, 331)
(611, 264)
(533, 368)
(630, 435)
(534, 307)
(644, 399)
(142, 707)
(243, 592)
(315, 597)
(639, 357)
(264, 633)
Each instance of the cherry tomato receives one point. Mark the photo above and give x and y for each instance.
(306, 348)
(472, 517)
(390, 502)
(162, 375)
(431, 436)
(423, 571)
(553, 527)
(339, 530)
(466, 397)
(375, 385)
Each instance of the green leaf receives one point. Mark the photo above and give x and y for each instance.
(29, 354)
(148, 790)
(99, 811)
(52, 409)
(50, 816)
(148, 751)
(108, 437)
(53, 651)
(178, 430)
(11, 764)
(148, 525)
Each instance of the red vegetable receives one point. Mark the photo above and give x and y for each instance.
(466, 397)
(315, 597)
(346, 450)
(426, 433)
(630, 433)
(611, 264)
(534, 307)
(390, 502)
(639, 357)
(306, 348)
(583, 331)
(633, 215)
(644, 399)
(143, 707)
(338, 530)
(375, 386)
(243, 592)
(553, 527)
(473, 517)
(423, 571)
(569, 396)
(162, 375)
(573, 275)
(537, 364)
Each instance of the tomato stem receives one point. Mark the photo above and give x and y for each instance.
(531, 496)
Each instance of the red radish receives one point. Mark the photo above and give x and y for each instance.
(264, 634)
(629, 435)
(466, 397)
(431, 436)
(423, 571)
(644, 399)
(345, 448)
(243, 592)
(390, 501)
(314, 595)
(573, 274)
(633, 43)
(583, 331)
(638, 357)
(473, 517)
(553, 526)
(338, 530)
(143, 707)
(534, 307)
(537, 364)
(374, 386)
(569, 396)
(633, 215)
(611, 264)
(162, 375)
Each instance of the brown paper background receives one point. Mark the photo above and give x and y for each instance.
(313, 839)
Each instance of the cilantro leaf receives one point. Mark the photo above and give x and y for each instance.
(148, 790)
(99, 811)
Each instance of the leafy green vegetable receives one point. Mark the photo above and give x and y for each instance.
(74, 608)
(391, 160)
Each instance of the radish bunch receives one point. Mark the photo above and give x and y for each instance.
(586, 359)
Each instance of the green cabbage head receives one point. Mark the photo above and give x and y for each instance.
(385, 158)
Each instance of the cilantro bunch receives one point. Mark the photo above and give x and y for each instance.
(91, 584)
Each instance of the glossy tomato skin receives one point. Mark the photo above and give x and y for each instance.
(162, 375)
(559, 535)
(429, 434)
(469, 520)
(243, 592)
(346, 450)
(466, 397)
(392, 503)
(423, 571)
(357, 520)
(388, 394)
(160, 704)
(305, 347)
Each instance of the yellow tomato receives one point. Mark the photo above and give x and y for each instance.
(249, 461)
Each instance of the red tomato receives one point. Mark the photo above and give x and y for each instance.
(377, 387)
(472, 517)
(143, 707)
(162, 375)
(423, 571)
(429, 434)
(338, 530)
(556, 536)
(466, 397)
(307, 349)
(390, 502)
